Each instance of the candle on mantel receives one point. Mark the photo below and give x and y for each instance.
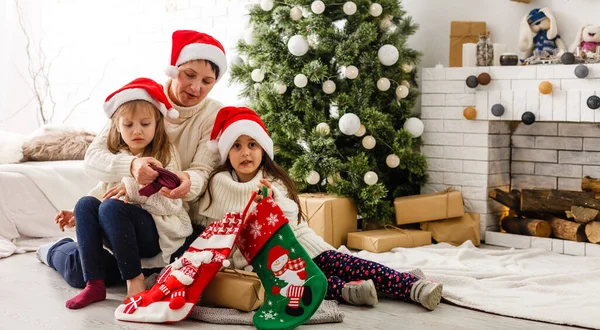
(499, 49)
(469, 55)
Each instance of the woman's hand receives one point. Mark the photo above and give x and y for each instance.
(263, 183)
(65, 218)
(116, 192)
(182, 190)
(141, 169)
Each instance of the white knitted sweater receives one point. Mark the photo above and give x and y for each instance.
(229, 195)
(188, 133)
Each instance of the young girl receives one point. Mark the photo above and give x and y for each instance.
(115, 214)
(247, 163)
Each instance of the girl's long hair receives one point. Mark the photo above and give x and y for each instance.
(270, 171)
(159, 147)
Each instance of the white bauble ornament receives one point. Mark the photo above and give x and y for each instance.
(258, 75)
(297, 45)
(407, 67)
(414, 126)
(317, 7)
(351, 72)
(405, 83)
(383, 84)
(280, 88)
(349, 8)
(392, 161)
(370, 178)
(328, 87)
(249, 36)
(401, 91)
(323, 128)
(361, 131)
(300, 80)
(369, 142)
(266, 5)
(349, 124)
(313, 177)
(296, 14)
(388, 55)
(375, 10)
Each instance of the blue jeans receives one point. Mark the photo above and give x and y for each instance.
(128, 230)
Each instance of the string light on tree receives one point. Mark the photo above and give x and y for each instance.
(370, 178)
(300, 80)
(349, 8)
(297, 45)
(349, 124)
(266, 5)
(414, 126)
(361, 131)
(375, 10)
(280, 88)
(351, 72)
(317, 7)
(296, 13)
(328, 87)
(388, 55)
(383, 84)
(392, 161)
(323, 128)
(401, 91)
(407, 68)
(369, 142)
(313, 177)
(258, 75)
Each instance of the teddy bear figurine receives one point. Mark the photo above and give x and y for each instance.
(588, 38)
(539, 36)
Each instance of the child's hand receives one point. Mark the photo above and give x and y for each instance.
(65, 218)
(116, 192)
(263, 183)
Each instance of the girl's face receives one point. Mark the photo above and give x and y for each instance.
(137, 129)
(195, 80)
(245, 156)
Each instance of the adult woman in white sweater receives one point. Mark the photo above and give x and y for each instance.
(246, 152)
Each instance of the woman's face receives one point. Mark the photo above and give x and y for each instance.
(195, 80)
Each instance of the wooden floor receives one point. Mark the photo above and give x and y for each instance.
(32, 296)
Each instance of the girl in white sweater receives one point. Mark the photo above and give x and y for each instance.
(246, 152)
(131, 224)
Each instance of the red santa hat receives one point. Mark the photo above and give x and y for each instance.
(190, 45)
(140, 89)
(232, 122)
(275, 253)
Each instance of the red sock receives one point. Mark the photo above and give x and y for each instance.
(94, 291)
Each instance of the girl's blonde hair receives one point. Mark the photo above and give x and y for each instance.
(159, 147)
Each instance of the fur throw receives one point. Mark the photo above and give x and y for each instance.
(57, 145)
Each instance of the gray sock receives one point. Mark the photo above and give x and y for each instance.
(42, 252)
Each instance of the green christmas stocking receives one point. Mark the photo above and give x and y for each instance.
(294, 284)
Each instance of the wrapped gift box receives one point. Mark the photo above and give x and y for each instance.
(428, 207)
(384, 240)
(455, 230)
(236, 289)
(463, 32)
(331, 217)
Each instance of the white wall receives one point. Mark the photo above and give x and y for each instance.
(502, 17)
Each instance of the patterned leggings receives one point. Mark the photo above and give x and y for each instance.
(340, 268)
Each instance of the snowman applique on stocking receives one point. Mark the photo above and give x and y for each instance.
(295, 286)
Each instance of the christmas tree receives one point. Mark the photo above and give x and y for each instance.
(334, 83)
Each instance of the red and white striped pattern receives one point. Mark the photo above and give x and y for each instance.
(295, 292)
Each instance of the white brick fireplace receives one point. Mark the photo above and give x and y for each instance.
(474, 156)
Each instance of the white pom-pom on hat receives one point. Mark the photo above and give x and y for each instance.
(172, 72)
(213, 146)
(226, 263)
(173, 114)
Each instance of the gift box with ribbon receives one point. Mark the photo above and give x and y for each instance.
(331, 217)
(428, 207)
(383, 240)
(236, 289)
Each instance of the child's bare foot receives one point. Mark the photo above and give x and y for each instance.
(135, 285)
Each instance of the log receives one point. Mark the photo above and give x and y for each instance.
(524, 226)
(590, 184)
(583, 214)
(566, 229)
(592, 231)
(556, 201)
(512, 199)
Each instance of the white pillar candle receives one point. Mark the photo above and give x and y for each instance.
(469, 55)
(499, 49)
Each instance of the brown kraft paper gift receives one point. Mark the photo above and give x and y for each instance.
(236, 289)
(331, 217)
(455, 231)
(463, 32)
(383, 240)
(429, 207)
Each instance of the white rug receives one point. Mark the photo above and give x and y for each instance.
(531, 284)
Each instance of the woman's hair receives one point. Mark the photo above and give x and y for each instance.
(212, 64)
(159, 147)
(270, 170)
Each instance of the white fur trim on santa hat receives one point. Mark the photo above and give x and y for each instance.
(172, 72)
(132, 94)
(157, 312)
(198, 51)
(244, 127)
(183, 278)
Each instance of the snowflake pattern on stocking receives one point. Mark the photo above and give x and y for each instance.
(255, 229)
(268, 315)
(272, 219)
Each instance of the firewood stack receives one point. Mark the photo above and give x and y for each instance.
(570, 215)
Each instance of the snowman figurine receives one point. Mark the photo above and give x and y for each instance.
(293, 273)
